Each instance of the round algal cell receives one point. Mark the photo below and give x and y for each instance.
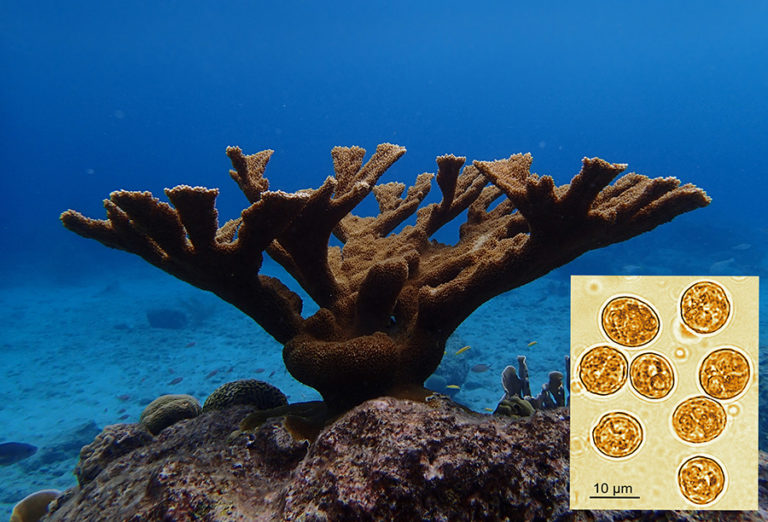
(701, 480)
(651, 375)
(724, 373)
(705, 307)
(699, 419)
(603, 370)
(629, 321)
(617, 434)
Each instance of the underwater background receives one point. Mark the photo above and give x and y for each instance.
(98, 96)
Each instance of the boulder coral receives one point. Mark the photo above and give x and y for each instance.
(259, 394)
(167, 410)
(390, 296)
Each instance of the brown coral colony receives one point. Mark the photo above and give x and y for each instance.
(388, 301)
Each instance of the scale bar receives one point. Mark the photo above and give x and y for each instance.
(612, 497)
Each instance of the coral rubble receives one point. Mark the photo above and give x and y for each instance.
(390, 297)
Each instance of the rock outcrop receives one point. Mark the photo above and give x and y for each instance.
(386, 459)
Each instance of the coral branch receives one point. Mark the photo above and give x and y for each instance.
(249, 171)
(347, 162)
(98, 229)
(305, 241)
(378, 294)
(197, 212)
(211, 258)
(448, 168)
(393, 209)
(562, 223)
(468, 185)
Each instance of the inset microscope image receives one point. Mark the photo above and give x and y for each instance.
(664, 392)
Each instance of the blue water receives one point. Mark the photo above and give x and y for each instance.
(97, 96)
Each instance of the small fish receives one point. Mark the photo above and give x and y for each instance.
(462, 350)
(124, 397)
(532, 343)
(211, 374)
(487, 409)
(12, 452)
(177, 380)
(453, 386)
(258, 370)
(723, 266)
(480, 368)
(189, 344)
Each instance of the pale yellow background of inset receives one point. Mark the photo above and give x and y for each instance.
(652, 470)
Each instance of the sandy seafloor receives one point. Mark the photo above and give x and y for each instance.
(81, 354)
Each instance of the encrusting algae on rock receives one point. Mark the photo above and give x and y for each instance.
(388, 301)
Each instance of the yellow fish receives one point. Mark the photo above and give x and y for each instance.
(462, 350)
(531, 343)
(487, 409)
(453, 386)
